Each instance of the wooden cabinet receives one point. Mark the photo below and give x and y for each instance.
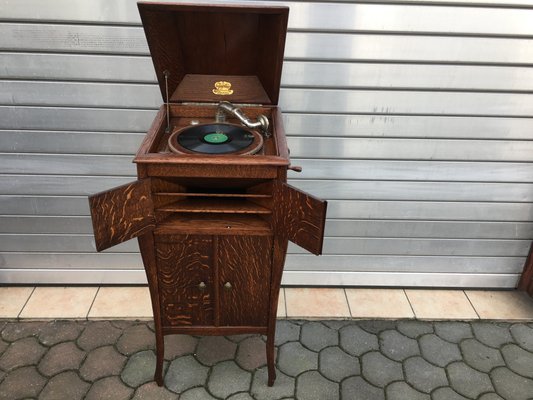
(214, 280)
(213, 229)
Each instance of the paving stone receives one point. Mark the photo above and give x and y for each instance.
(179, 345)
(511, 386)
(356, 341)
(479, 356)
(379, 370)
(518, 360)
(338, 323)
(98, 334)
(150, 391)
(240, 396)
(316, 336)
(239, 338)
(447, 393)
(313, 386)
(251, 353)
(213, 349)
(467, 381)
(414, 329)
(438, 351)
(23, 352)
(136, 338)
(55, 332)
(100, 362)
(3, 346)
(227, 378)
(423, 376)
(335, 364)
(453, 331)
(492, 334)
(293, 359)
(61, 357)
(139, 369)
(21, 384)
(284, 386)
(491, 396)
(523, 335)
(185, 373)
(197, 394)
(110, 388)
(397, 346)
(286, 332)
(18, 330)
(357, 388)
(124, 324)
(377, 326)
(402, 391)
(64, 386)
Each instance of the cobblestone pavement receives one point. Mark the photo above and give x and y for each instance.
(319, 360)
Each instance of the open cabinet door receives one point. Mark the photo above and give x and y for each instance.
(300, 216)
(122, 213)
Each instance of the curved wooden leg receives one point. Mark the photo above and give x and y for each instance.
(270, 359)
(160, 352)
(147, 247)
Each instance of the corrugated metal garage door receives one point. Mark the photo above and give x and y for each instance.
(414, 119)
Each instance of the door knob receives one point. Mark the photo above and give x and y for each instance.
(202, 286)
(228, 286)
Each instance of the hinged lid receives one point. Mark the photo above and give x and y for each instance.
(215, 52)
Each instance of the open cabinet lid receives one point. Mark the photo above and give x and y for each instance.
(214, 52)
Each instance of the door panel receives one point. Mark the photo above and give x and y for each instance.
(244, 264)
(185, 278)
(122, 213)
(300, 216)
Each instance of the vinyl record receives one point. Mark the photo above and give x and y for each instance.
(215, 139)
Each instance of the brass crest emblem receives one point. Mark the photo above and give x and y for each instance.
(222, 88)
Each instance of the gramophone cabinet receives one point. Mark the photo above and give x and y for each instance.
(212, 228)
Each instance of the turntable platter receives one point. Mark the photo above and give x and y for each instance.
(215, 139)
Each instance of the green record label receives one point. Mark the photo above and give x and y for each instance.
(216, 138)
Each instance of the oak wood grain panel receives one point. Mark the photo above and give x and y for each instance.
(215, 205)
(214, 224)
(245, 263)
(122, 213)
(299, 216)
(182, 265)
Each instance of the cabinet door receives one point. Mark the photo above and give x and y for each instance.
(122, 213)
(244, 279)
(300, 216)
(185, 279)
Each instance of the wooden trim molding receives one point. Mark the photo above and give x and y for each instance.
(526, 280)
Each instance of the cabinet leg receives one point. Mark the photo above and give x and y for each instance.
(160, 352)
(270, 359)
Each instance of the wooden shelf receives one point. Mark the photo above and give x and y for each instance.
(213, 224)
(242, 195)
(215, 205)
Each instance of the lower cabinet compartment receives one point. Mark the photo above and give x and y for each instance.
(185, 279)
(214, 280)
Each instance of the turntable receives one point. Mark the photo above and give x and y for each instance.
(211, 208)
